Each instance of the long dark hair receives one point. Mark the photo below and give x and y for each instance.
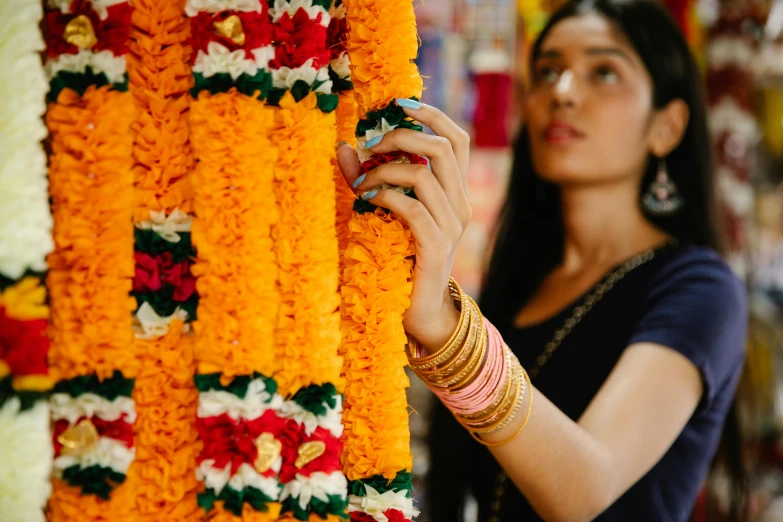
(530, 234)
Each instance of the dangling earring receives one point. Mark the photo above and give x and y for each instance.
(662, 197)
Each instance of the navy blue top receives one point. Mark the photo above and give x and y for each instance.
(687, 299)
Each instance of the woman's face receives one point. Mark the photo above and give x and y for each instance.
(590, 107)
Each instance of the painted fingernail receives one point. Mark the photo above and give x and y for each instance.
(373, 142)
(429, 163)
(341, 144)
(369, 195)
(408, 104)
(359, 180)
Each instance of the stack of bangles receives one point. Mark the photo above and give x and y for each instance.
(475, 374)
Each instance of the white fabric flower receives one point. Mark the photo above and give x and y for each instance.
(318, 485)
(26, 454)
(255, 402)
(25, 227)
(108, 453)
(286, 77)
(331, 421)
(217, 479)
(194, 7)
(291, 7)
(728, 116)
(149, 325)
(219, 60)
(72, 408)
(167, 226)
(101, 62)
(375, 504)
(341, 65)
(725, 51)
(737, 194)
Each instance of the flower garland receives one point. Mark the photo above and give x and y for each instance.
(267, 454)
(25, 240)
(165, 290)
(382, 44)
(91, 189)
(347, 118)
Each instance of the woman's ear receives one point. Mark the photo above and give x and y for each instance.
(668, 128)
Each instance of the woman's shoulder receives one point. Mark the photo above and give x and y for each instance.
(699, 269)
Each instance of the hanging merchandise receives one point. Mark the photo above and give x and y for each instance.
(382, 45)
(25, 240)
(91, 269)
(267, 334)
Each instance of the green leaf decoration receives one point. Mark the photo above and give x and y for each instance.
(211, 381)
(115, 386)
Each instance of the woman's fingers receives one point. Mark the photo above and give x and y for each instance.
(427, 189)
(430, 240)
(348, 161)
(441, 154)
(443, 126)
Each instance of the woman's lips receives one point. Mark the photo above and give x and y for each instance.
(559, 132)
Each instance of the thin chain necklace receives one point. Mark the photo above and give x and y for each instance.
(598, 292)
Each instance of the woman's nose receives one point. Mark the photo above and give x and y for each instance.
(565, 89)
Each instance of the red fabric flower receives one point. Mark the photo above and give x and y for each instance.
(336, 36)
(376, 160)
(297, 40)
(112, 33)
(256, 26)
(330, 460)
(358, 516)
(292, 435)
(119, 429)
(24, 344)
(395, 515)
(153, 272)
(233, 441)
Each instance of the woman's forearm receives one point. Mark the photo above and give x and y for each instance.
(563, 471)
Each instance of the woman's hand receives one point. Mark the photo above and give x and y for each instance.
(437, 219)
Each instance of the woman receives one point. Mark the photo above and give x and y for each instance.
(604, 281)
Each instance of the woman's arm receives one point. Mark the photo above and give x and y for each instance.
(568, 471)
(574, 471)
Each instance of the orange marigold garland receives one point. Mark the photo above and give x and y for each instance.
(165, 396)
(89, 280)
(382, 44)
(91, 268)
(236, 420)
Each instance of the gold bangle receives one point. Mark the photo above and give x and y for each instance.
(505, 414)
(471, 368)
(460, 353)
(455, 341)
(466, 353)
(519, 430)
(517, 406)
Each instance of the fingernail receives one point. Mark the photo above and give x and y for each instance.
(359, 180)
(429, 163)
(408, 104)
(369, 195)
(373, 142)
(341, 144)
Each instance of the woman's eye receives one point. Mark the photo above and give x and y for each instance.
(607, 75)
(547, 75)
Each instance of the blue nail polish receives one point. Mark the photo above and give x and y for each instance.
(429, 163)
(369, 195)
(359, 180)
(373, 142)
(408, 104)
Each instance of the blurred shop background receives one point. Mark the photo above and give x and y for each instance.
(473, 55)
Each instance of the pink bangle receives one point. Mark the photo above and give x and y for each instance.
(483, 390)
